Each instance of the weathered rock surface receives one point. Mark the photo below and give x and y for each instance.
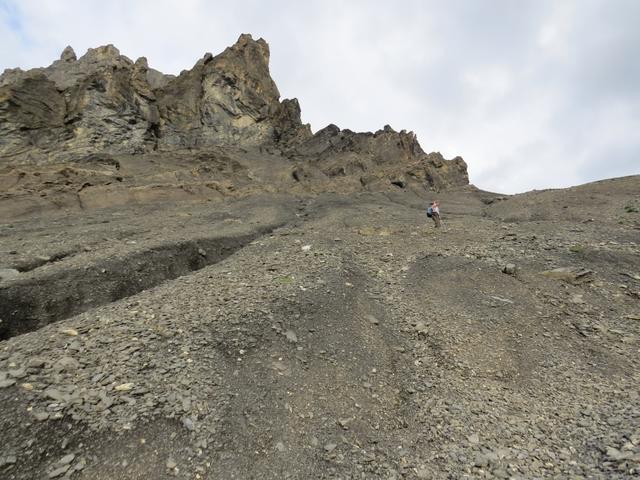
(376, 159)
(72, 129)
(105, 103)
(350, 340)
(194, 286)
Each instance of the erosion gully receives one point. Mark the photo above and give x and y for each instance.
(40, 299)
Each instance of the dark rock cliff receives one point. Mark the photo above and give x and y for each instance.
(103, 103)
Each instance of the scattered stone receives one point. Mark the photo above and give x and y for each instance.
(481, 460)
(188, 423)
(8, 273)
(424, 474)
(184, 336)
(344, 423)
(509, 269)
(8, 460)
(124, 387)
(473, 439)
(7, 383)
(80, 464)
(66, 364)
(18, 373)
(67, 459)
(59, 471)
(421, 327)
(577, 299)
(372, 320)
(291, 336)
(631, 275)
(570, 274)
(36, 362)
(618, 456)
(40, 416)
(56, 395)
(501, 299)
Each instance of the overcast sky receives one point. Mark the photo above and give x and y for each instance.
(532, 94)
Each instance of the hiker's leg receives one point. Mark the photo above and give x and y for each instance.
(436, 218)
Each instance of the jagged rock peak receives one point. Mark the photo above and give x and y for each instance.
(105, 103)
(253, 53)
(227, 99)
(68, 54)
(246, 42)
(103, 52)
(142, 63)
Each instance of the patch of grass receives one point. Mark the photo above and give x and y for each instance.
(288, 280)
(576, 249)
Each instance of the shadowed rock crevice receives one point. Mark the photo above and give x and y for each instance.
(29, 304)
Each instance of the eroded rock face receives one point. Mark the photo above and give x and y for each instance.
(227, 99)
(104, 102)
(384, 156)
(32, 114)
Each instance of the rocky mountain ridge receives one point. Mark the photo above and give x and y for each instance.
(105, 109)
(104, 102)
(195, 286)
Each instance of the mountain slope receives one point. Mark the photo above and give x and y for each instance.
(351, 340)
(192, 285)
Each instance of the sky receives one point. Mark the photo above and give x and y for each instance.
(533, 94)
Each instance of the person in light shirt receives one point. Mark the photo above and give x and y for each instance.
(434, 209)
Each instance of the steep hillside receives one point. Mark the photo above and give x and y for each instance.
(333, 336)
(195, 286)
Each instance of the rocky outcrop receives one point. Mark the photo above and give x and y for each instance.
(32, 116)
(104, 102)
(227, 99)
(384, 156)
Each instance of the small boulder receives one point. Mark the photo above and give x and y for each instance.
(8, 273)
(509, 269)
(574, 275)
(291, 336)
(67, 364)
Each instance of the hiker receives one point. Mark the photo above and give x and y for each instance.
(434, 212)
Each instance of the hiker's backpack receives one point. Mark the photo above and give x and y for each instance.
(430, 212)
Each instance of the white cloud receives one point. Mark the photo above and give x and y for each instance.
(555, 29)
